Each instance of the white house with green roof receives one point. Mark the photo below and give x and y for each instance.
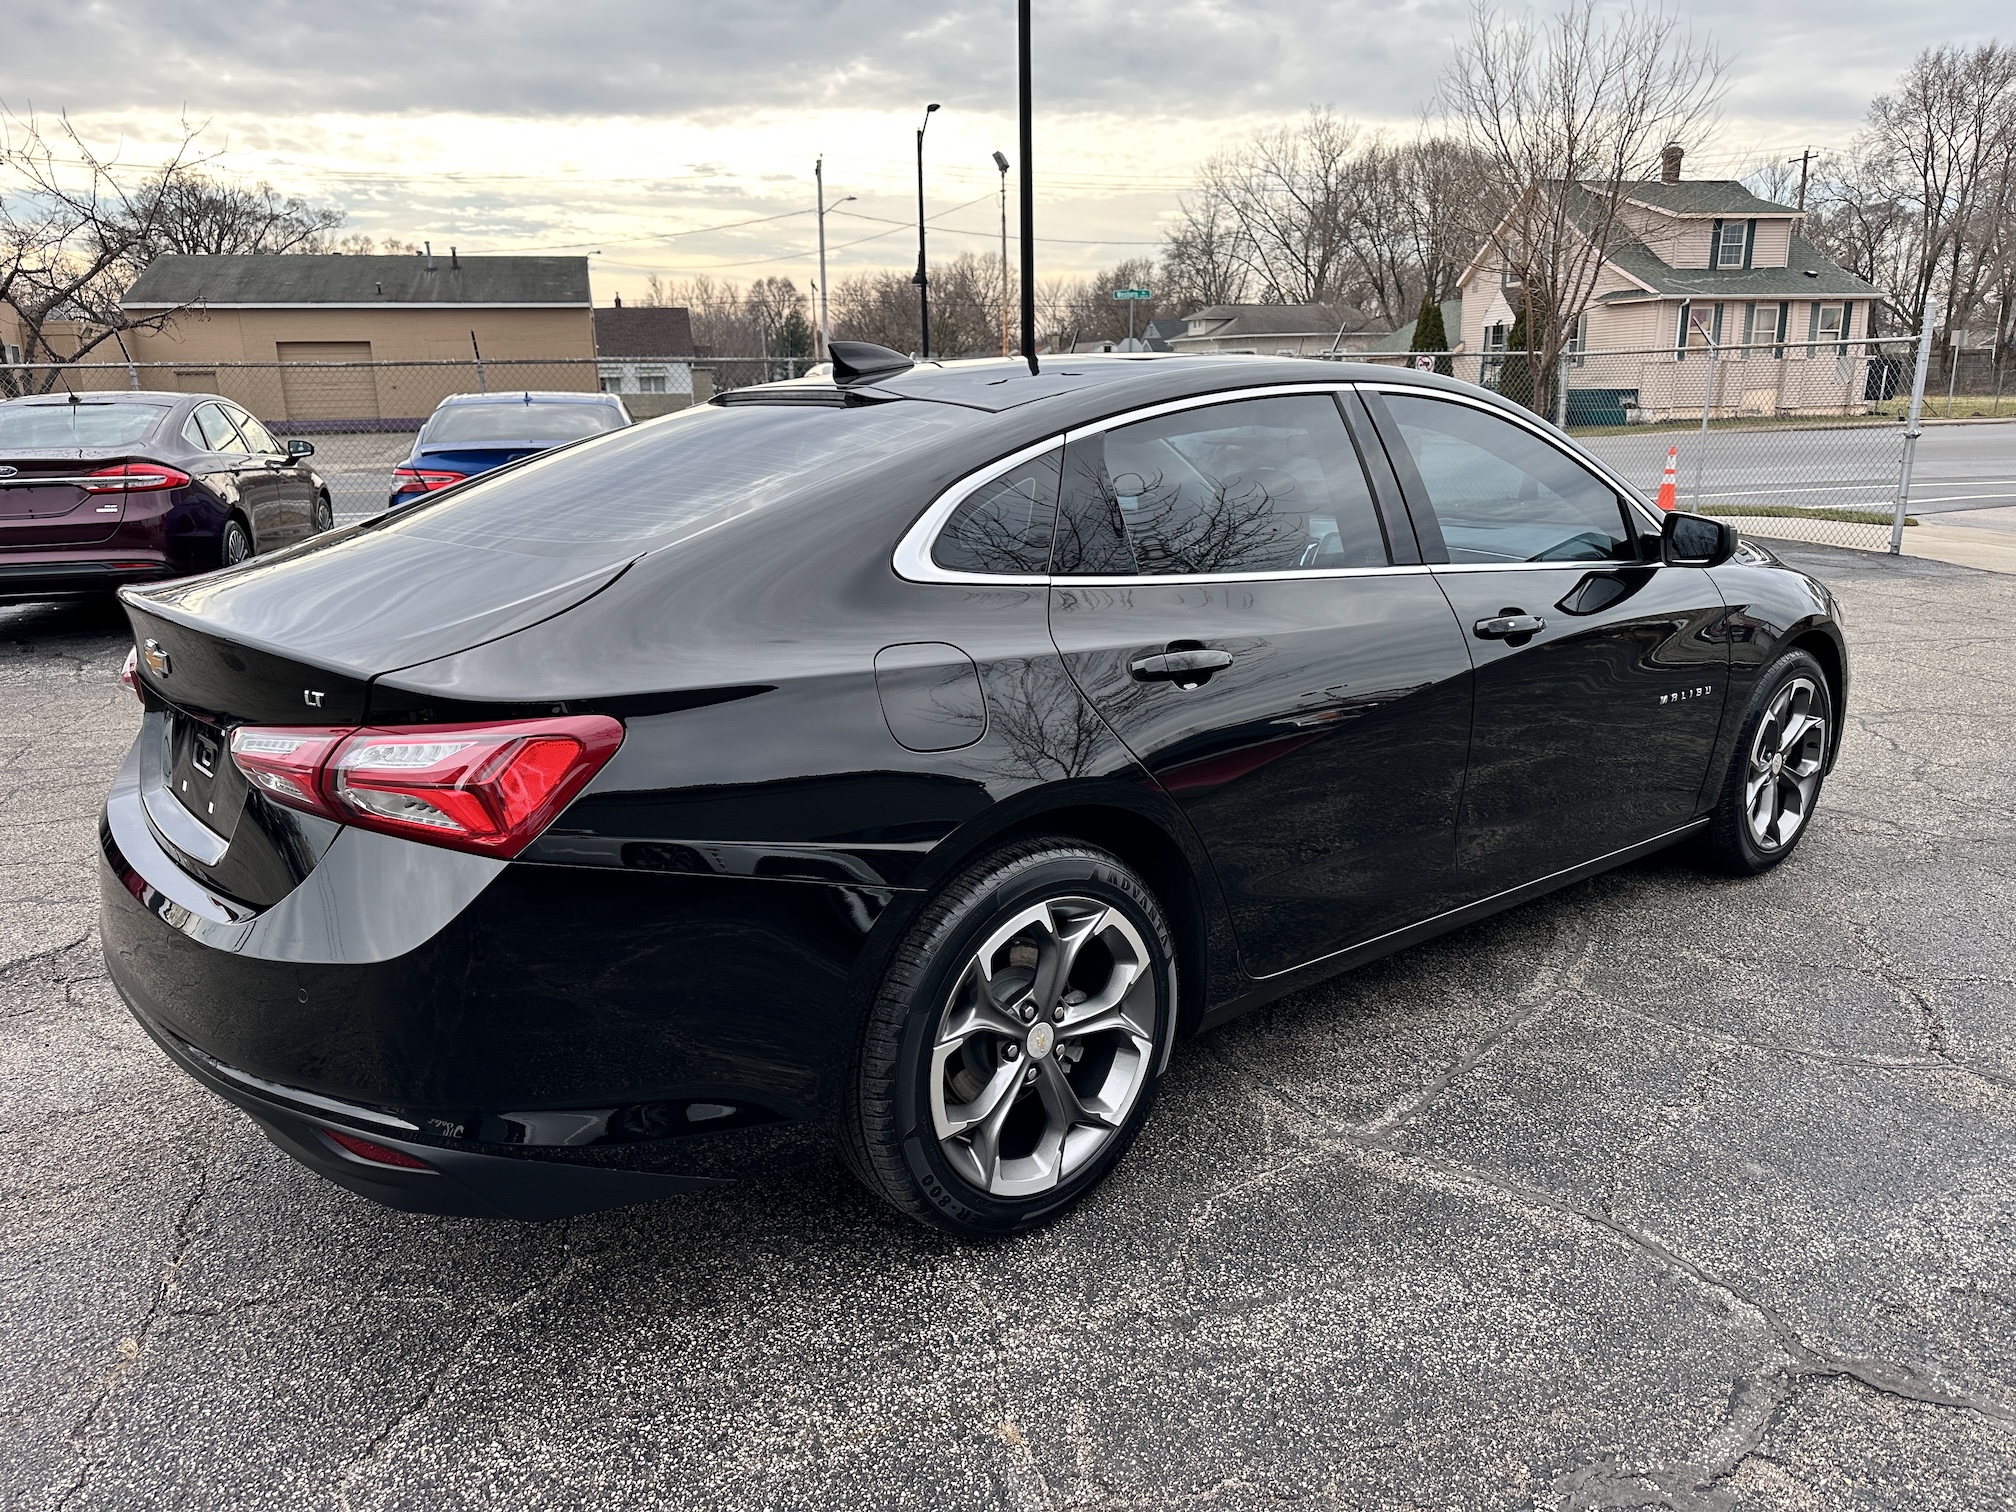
(1702, 261)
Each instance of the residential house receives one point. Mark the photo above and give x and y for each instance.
(1702, 263)
(444, 322)
(646, 355)
(1278, 330)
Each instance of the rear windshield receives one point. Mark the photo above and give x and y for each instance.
(648, 485)
(519, 421)
(24, 426)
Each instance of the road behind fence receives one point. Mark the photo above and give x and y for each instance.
(1801, 441)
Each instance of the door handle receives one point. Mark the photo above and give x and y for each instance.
(1508, 626)
(1179, 666)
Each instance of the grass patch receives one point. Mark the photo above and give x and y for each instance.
(1804, 512)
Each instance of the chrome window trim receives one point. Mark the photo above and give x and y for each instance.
(1646, 515)
(1197, 579)
(912, 557)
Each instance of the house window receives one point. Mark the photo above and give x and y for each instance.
(612, 383)
(651, 381)
(1578, 341)
(1827, 327)
(1730, 247)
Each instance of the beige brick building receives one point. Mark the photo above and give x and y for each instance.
(430, 317)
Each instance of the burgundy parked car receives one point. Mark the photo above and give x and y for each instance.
(97, 490)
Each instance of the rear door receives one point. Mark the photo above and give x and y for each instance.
(292, 488)
(1600, 673)
(1223, 593)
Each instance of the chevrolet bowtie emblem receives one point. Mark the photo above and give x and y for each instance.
(155, 655)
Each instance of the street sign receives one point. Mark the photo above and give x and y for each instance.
(1132, 294)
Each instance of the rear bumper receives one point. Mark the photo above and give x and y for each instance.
(549, 1039)
(50, 575)
(459, 1183)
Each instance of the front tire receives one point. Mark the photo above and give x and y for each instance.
(1013, 1051)
(1774, 777)
(325, 514)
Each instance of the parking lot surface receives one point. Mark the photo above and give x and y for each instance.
(1666, 1191)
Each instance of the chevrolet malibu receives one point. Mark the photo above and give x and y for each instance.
(908, 761)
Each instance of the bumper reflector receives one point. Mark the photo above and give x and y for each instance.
(377, 1154)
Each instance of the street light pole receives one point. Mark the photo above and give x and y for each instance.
(922, 280)
(1002, 163)
(825, 316)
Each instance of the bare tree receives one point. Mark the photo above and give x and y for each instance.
(71, 225)
(196, 213)
(1922, 208)
(1205, 258)
(965, 307)
(1567, 116)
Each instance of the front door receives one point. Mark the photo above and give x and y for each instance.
(1223, 594)
(1600, 674)
(292, 490)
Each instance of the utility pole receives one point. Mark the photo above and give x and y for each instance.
(1026, 126)
(1002, 163)
(1804, 160)
(819, 180)
(923, 278)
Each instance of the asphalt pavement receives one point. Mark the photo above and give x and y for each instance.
(1669, 1191)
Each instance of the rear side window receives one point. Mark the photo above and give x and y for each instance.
(1254, 485)
(1005, 525)
(23, 427)
(518, 421)
(1501, 494)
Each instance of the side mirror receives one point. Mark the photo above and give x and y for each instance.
(300, 448)
(1692, 540)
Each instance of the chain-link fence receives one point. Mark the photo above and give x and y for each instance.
(1796, 440)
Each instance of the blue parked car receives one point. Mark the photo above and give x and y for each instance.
(471, 433)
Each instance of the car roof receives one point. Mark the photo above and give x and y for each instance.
(529, 396)
(998, 384)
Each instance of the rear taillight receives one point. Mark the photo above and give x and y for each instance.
(485, 788)
(134, 477)
(420, 480)
(130, 674)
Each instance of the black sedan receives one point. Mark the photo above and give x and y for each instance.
(909, 760)
(103, 489)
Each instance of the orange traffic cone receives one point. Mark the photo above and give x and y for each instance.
(1669, 492)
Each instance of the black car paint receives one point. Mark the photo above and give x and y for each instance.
(170, 533)
(705, 924)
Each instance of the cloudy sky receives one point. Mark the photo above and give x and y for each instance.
(678, 137)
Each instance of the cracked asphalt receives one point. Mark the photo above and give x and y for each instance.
(1667, 1191)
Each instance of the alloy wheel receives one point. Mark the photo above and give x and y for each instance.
(1785, 761)
(1045, 1046)
(237, 545)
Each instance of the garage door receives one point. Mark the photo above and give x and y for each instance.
(314, 393)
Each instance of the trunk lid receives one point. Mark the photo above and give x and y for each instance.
(42, 504)
(465, 458)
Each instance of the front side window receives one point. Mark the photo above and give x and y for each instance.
(256, 435)
(1254, 485)
(1501, 494)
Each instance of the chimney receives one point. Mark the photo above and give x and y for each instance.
(430, 246)
(454, 260)
(1669, 163)
(619, 301)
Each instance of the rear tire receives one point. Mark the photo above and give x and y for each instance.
(1013, 1051)
(235, 544)
(1773, 785)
